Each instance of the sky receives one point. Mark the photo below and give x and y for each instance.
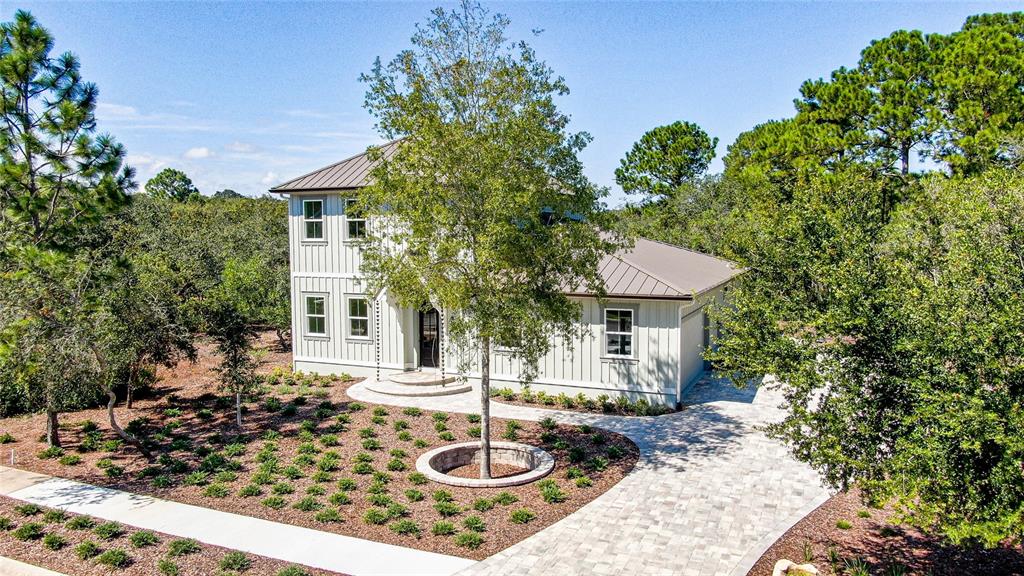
(249, 95)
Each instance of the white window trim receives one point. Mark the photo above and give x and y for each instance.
(322, 220)
(305, 316)
(605, 332)
(366, 223)
(368, 318)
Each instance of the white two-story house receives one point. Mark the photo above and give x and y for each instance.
(646, 338)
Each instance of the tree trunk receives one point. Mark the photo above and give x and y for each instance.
(485, 409)
(111, 400)
(132, 375)
(238, 409)
(281, 341)
(905, 159)
(52, 433)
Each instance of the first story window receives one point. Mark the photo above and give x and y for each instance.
(313, 219)
(618, 332)
(316, 315)
(354, 222)
(358, 317)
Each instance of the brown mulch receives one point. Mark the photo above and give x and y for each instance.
(576, 404)
(881, 544)
(497, 471)
(144, 561)
(192, 387)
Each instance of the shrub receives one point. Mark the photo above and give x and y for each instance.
(512, 428)
(473, 431)
(598, 464)
(471, 540)
(321, 477)
(347, 484)
(396, 465)
(598, 438)
(379, 499)
(420, 443)
(482, 505)
(442, 496)
(250, 490)
(363, 468)
(51, 452)
(446, 436)
(521, 516)
(560, 444)
(81, 523)
(356, 406)
(548, 424)
(447, 509)
(292, 571)
(551, 493)
(236, 561)
(339, 499)
(114, 472)
(54, 542)
(396, 510)
(474, 523)
(196, 478)
(382, 477)
(573, 472)
(412, 411)
(87, 550)
(440, 426)
(6, 438)
(371, 444)
(217, 490)
(375, 516)
(308, 448)
(162, 481)
(108, 530)
(70, 460)
(329, 463)
(29, 531)
(576, 455)
(143, 538)
(225, 476)
(328, 516)
(6, 524)
(28, 509)
(615, 452)
(308, 504)
(282, 488)
(843, 524)
(234, 450)
(377, 488)
(506, 498)
(114, 558)
(292, 472)
(418, 478)
(274, 502)
(442, 528)
(584, 482)
(329, 440)
(289, 410)
(167, 567)
(405, 436)
(182, 546)
(405, 528)
(262, 478)
(863, 514)
(316, 490)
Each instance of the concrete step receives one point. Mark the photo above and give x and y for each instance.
(420, 378)
(395, 389)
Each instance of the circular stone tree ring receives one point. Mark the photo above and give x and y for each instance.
(435, 463)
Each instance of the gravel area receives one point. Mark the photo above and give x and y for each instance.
(58, 545)
(316, 436)
(881, 545)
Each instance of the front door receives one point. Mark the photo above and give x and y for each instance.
(430, 344)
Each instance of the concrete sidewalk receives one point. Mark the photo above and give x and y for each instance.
(285, 542)
(10, 567)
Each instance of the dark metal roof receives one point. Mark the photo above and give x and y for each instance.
(350, 173)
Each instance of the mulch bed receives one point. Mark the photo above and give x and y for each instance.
(880, 545)
(142, 561)
(183, 410)
(497, 471)
(579, 403)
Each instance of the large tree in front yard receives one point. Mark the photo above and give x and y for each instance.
(483, 210)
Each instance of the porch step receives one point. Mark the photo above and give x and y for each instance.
(421, 378)
(396, 389)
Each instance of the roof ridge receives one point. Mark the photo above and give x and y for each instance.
(339, 162)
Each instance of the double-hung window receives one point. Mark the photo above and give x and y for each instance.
(316, 315)
(618, 332)
(358, 318)
(355, 224)
(313, 219)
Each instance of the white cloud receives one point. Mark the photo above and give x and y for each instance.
(240, 147)
(198, 153)
(269, 178)
(129, 117)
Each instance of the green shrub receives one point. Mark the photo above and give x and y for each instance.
(196, 478)
(28, 531)
(418, 478)
(292, 472)
(328, 516)
(598, 438)
(442, 496)
(471, 540)
(442, 528)
(371, 444)
(87, 550)
(54, 542)
(292, 571)
(420, 443)
(162, 481)
(375, 516)
(274, 502)
(521, 516)
(356, 406)
(114, 472)
(405, 436)
(560, 444)
(405, 528)
(843, 524)
(108, 530)
(329, 440)
(440, 426)
(28, 509)
(70, 460)
(506, 498)
(379, 499)
(377, 488)
(414, 495)
(396, 465)
(81, 523)
(272, 404)
(308, 504)
(615, 452)
(6, 438)
(347, 484)
(473, 431)
(474, 523)
(473, 418)
(447, 509)
(550, 492)
(114, 558)
(321, 477)
(576, 455)
(380, 411)
(225, 476)
(143, 538)
(339, 499)
(446, 436)
(512, 428)
(573, 472)
(412, 411)
(597, 464)
(6, 524)
(482, 505)
(316, 490)
(262, 478)
(548, 424)
(182, 547)
(217, 490)
(379, 420)
(584, 482)
(235, 561)
(396, 510)
(51, 452)
(167, 567)
(863, 514)
(382, 477)
(362, 468)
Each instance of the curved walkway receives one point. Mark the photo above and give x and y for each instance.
(709, 494)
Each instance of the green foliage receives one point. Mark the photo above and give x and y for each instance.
(28, 509)
(292, 571)
(81, 523)
(183, 547)
(274, 502)
(54, 542)
(28, 531)
(418, 478)
(167, 567)
(236, 561)
(521, 516)
(474, 523)
(505, 498)
(483, 504)
(114, 558)
(664, 159)
(171, 184)
(405, 528)
(414, 495)
(447, 509)
(328, 516)
(87, 549)
(443, 528)
(471, 540)
(375, 516)
(143, 538)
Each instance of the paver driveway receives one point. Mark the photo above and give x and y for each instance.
(708, 495)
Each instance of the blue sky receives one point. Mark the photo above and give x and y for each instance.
(245, 96)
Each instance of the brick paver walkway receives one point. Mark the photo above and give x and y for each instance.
(709, 494)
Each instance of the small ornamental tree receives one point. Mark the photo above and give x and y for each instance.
(173, 185)
(483, 209)
(233, 333)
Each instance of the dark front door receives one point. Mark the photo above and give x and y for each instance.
(430, 345)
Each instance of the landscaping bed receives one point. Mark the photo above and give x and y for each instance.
(842, 536)
(311, 456)
(601, 404)
(81, 545)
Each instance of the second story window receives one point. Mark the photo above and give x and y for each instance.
(355, 223)
(313, 219)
